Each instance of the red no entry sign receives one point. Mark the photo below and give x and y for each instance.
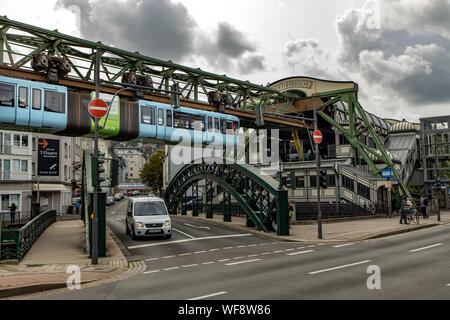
(97, 108)
(317, 136)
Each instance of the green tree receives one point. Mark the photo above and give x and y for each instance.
(152, 172)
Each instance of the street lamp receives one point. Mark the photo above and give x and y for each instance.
(280, 171)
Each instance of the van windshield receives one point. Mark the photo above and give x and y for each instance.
(151, 208)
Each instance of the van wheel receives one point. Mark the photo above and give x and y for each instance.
(127, 231)
(133, 236)
(169, 236)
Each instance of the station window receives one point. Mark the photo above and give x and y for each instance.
(331, 180)
(169, 118)
(364, 191)
(23, 97)
(313, 181)
(148, 115)
(55, 102)
(160, 117)
(348, 183)
(36, 104)
(6, 95)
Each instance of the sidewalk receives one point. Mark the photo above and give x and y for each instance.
(61, 245)
(334, 231)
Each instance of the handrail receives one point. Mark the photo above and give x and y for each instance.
(16, 243)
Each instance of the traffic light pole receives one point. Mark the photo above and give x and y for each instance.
(94, 241)
(316, 152)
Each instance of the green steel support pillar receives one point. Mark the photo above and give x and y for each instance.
(282, 213)
(226, 206)
(209, 199)
(195, 199)
(183, 205)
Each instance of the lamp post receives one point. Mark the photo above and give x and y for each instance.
(280, 172)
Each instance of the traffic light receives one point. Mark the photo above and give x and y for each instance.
(114, 173)
(98, 171)
(323, 178)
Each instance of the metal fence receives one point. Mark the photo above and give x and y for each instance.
(20, 218)
(16, 243)
(308, 210)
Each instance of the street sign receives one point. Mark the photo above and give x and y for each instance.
(97, 108)
(387, 173)
(317, 136)
(48, 157)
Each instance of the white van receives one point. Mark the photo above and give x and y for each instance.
(147, 217)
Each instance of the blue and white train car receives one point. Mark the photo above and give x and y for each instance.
(33, 104)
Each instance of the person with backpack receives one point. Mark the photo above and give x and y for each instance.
(404, 210)
(12, 212)
(423, 206)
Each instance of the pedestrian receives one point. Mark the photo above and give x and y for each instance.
(291, 210)
(77, 206)
(404, 210)
(13, 212)
(423, 206)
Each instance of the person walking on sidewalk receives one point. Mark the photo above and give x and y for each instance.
(404, 210)
(12, 213)
(77, 206)
(423, 206)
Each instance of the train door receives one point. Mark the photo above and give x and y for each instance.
(23, 106)
(216, 130)
(7, 107)
(148, 122)
(209, 130)
(169, 125)
(161, 124)
(36, 108)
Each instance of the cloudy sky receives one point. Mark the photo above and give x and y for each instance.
(398, 51)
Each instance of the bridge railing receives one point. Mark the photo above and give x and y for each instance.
(16, 243)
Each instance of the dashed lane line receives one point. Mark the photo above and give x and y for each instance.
(427, 247)
(189, 265)
(185, 254)
(151, 259)
(153, 271)
(167, 257)
(215, 249)
(299, 252)
(209, 295)
(223, 260)
(241, 262)
(202, 251)
(172, 268)
(343, 245)
(340, 267)
(209, 262)
(235, 258)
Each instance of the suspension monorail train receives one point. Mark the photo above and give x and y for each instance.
(45, 107)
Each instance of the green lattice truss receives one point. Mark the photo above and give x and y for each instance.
(352, 134)
(19, 41)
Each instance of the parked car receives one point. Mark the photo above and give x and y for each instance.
(109, 200)
(131, 193)
(121, 195)
(147, 217)
(117, 197)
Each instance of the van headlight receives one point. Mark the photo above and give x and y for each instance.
(167, 223)
(139, 224)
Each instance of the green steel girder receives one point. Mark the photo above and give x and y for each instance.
(243, 182)
(118, 61)
(352, 135)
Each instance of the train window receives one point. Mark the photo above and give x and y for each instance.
(160, 117)
(223, 125)
(181, 120)
(23, 97)
(198, 123)
(210, 123)
(169, 118)
(36, 104)
(148, 115)
(54, 102)
(6, 95)
(216, 124)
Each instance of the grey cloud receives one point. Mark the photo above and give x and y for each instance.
(158, 28)
(252, 63)
(232, 42)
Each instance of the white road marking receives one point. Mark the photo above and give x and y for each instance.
(223, 260)
(263, 244)
(240, 262)
(173, 268)
(343, 245)
(146, 272)
(427, 247)
(166, 257)
(311, 246)
(340, 267)
(151, 259)
(113, 212)
(200, 251)
(235, 258)
(252, 255)
(214, 249)
(300, 247)
(198, 227)
(252, 245)
(299, 252)
(187, 240)
(240, 246)
(278, 251)
(264, 253)
(289, 249)
(208, 296)
(448, 284)
(185, 254)
(187, 235)
(190, 265)
(209, 262)
(226, 248)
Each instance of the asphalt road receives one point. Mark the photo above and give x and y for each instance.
(203, 261)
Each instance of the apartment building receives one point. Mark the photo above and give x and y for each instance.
(134, 161)
(15, 172)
